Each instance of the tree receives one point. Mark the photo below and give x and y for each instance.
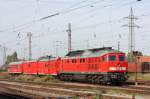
(12, 58)
(131, 56)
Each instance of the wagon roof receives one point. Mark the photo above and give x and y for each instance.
(46, 58)
(17, 62)
(91, 52)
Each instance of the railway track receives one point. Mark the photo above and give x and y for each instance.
(64, 89)
(140, 82)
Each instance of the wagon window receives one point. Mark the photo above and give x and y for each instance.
(90, 60)
(80, 60)
(18, 66)
(68, 61)
(121, 58)
(83, 60)
(112, 57)
(99, 59)
(29, 65)
(74, 61)
(95, 59)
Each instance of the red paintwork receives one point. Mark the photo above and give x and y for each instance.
(49, 67)
(30, 67)
(74, 65)
(93, 64)
(15, 67)
(42, 68)
(118, 64)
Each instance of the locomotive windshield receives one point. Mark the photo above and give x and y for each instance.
(121, 58)
(112, 57)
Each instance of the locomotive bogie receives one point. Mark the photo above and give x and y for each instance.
(96, 78)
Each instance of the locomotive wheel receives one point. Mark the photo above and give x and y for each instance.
(90, 80)
(70, 77)
(61, 77)
(97, 80)
(65, 77)
(93, 81)
(88, 77)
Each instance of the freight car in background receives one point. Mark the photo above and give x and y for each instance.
(142, 64)
(99, 65)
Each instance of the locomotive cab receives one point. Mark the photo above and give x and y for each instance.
(117, 67)
(117, 62)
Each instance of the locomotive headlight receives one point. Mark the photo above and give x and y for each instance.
(122, 68)
(117, 68)
(112, 68)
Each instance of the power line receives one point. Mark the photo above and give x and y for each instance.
(43, 18)
(68, 11)
(105, 6)
(77, 4)
(34, 21)
(55, 14)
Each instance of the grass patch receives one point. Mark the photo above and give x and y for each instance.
(4, 75)
(44, 78)
(140, 76)
(23, 77)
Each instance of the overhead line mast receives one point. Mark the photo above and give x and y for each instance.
(69, 37)
(29, 35)
(131, 25)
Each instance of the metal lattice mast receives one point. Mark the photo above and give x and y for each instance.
(69, 37)
(4, 53)
(131, 36)
(29, 35)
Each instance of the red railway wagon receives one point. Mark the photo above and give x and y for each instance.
(15, 67)
(54, 68)
(42, 67)
(30, 67)
(95, 65)
(48, 65)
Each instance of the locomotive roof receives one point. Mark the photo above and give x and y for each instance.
(91, 52)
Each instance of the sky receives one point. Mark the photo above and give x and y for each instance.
(95, 23)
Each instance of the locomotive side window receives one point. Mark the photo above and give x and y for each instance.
(105, 58)
(121, 58)
(82, 60)
(74, 60)
(100, 59)
(112, 57)
(89, 60)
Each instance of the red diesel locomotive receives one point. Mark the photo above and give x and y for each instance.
(99, 65)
